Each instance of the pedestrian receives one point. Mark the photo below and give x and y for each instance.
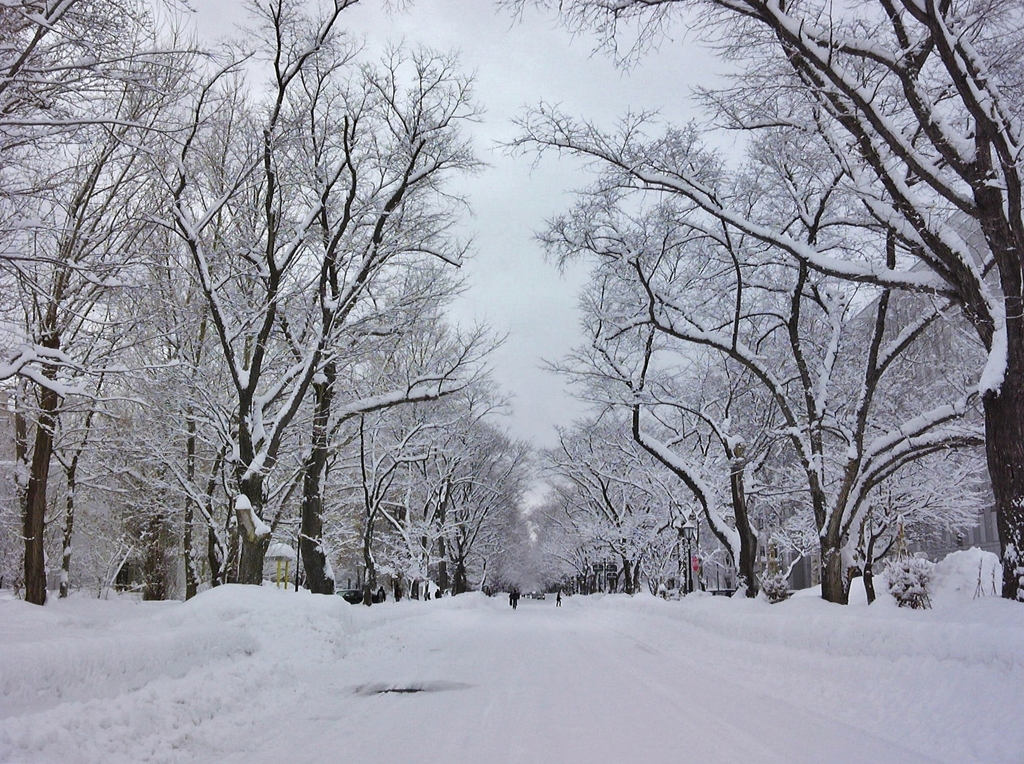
(381, 595)
(515, 599)
(558, 599)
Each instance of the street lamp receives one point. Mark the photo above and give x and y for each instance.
(688, 531)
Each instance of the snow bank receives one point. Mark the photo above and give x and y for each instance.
(262, 674)
(974, 630)
(82, 648)
(77, 664)
(966, 574)
(989, 632)
(131, 681)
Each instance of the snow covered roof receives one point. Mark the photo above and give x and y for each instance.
(280, 551)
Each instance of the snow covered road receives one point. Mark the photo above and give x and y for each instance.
(248, 675)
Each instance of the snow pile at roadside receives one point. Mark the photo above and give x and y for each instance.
(144, 667)
(68, 655)
(984, 630)
(989, 631)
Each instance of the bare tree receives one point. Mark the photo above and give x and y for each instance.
(74, 211)
(826, 358)
(62, 65)
(487, 479)
(305, 196)
(617, 499)
(919, 105)
(451, 475)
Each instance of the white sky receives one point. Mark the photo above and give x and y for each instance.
(518, 64)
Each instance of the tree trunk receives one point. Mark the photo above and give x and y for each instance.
(35, 498)
(369, 565)
(1004, 408)
(627, 576)
(230, 570)
(1004, 424)
(253, 547)
(869, 560)
(250, 561)
(187, 546)
(69, 530)
(155, 565)
(748, 539)
(188, 550)
(833, 582)
(314, 560)
(442, 565)
(21, 467)
(215, 557)
(460, 583)
(71, 474)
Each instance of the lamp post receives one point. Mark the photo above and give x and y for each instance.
(689, 532)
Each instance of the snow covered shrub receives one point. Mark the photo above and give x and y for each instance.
(775, 587)
(908, 580)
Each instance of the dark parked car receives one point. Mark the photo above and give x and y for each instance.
(353, 596)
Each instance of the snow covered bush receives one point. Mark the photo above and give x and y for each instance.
(964, 575)
(775, 587)
(908, 581)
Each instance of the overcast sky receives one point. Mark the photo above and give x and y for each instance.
(518, 64)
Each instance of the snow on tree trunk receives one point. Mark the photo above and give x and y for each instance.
(314, 560)
(69, 530)
(187, 544)
(254, 534)
(833, 578)
(156, 565)
(460, 582)
(215, 557)
(1004, 422)
(747, 563)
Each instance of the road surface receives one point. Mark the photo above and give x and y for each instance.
(251, 676)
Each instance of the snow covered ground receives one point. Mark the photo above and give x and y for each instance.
(243, 674)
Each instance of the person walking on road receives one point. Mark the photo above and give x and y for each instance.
(513, 598)
(558, 599)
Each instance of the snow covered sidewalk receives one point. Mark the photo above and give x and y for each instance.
(242, 674)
